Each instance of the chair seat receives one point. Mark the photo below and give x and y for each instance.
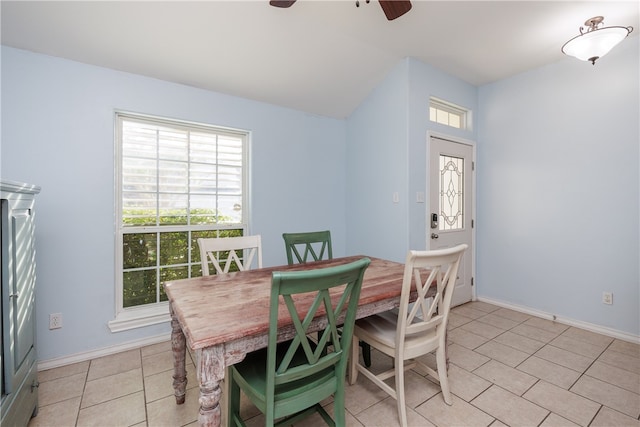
(382, 329)
(251, 375)
(379, 327)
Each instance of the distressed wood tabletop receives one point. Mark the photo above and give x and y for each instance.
(222, 308)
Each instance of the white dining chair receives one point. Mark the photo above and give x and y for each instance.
(415, 329)
(240, 251)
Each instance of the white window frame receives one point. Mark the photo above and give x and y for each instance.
(150, 314)
(450, 109)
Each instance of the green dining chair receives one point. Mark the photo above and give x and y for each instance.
(309, 246)
(288, 381)
(315, 246)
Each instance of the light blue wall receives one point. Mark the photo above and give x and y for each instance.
(57, 132)
(377, 153)
(558, 189)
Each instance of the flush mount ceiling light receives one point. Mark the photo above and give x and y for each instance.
(595, 42)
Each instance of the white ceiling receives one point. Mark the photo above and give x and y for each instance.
(322, 57)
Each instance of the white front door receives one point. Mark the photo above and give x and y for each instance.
(451, 206)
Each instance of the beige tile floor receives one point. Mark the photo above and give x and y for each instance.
(507, 368)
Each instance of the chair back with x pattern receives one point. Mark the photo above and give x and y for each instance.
(309, 246)
(427, 313)
(304, 371)
(224, 252)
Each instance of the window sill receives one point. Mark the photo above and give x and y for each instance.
(140, 317)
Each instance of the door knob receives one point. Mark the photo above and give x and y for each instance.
(434, 236)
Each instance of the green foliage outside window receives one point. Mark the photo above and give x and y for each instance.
(149, 256)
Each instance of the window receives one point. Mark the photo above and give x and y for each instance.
(176, 182)
(449, 114)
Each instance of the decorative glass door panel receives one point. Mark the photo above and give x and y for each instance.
(451, 193)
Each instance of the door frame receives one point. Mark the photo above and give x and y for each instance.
(427, 213)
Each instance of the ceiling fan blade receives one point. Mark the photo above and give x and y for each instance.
(395, 8)
(282, 3)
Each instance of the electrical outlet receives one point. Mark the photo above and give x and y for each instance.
(607, 298)
(55, 321)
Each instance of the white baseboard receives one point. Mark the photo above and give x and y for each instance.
(93, 354)
(81, 357)
(565, 320)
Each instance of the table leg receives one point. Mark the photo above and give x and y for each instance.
(179, 348)
(211, 367)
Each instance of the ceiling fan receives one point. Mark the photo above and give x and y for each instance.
(392, 8)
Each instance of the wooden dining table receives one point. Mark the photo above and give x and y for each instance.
(225, 316)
